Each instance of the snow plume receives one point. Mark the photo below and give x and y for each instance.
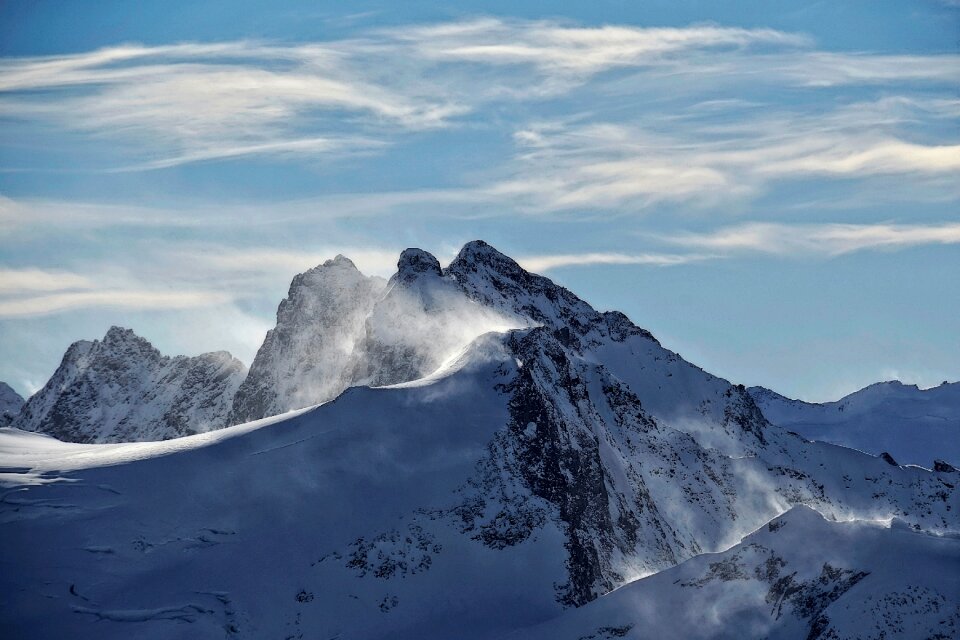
(420, 325)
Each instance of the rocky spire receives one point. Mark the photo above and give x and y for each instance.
(122, 389)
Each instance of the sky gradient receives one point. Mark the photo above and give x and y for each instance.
(771, 188)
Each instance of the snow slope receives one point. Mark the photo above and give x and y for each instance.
(122, 389)
(915, 426)
(862, 579)
(10, 404)
(532, 471)
(519, 481)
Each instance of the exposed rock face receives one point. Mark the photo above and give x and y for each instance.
(308, 357)
(10, 404)
(338, 328)
(121, 389)
(943, 467)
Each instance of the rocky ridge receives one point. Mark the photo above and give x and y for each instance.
(122, 389)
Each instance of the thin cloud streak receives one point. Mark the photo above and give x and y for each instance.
(370, 261)
(193, 102)
(813, 239)
(540, 263)
(120, 299)
(681, 159)
(34, 280)
(556, 48)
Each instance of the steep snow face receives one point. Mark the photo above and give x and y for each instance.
(800, 576)
(522, 478)
(914, 426)
(10, 404)
(670, 388)
(308, 357)
(122, 389)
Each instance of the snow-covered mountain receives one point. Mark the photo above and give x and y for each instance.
(861, 579)
(121, 389)
(308, 357)
(10, 404)
(338, 328)
(535, 470)
(915, 426)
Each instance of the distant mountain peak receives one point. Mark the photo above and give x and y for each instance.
(121, 388)
(339, 259)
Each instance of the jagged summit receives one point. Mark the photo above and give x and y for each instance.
(339, 260)
(121, 388)
(414, 263)
(478, 252)
(122, 340)
(307, 357)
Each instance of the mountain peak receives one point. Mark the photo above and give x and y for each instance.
(121, 339)
(121, 388)
(340, 260)
(478, 252)
(116, 333)
(415, 262)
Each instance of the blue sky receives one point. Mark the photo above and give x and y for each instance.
(770, 187)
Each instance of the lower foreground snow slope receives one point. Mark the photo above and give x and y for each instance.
(524, 485)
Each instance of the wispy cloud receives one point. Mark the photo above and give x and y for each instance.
(557, 48)
(189, 275)
(686, 158)
(32, 306)
(541, 263)
(807, 239)
(196, 102)
(34, 280)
